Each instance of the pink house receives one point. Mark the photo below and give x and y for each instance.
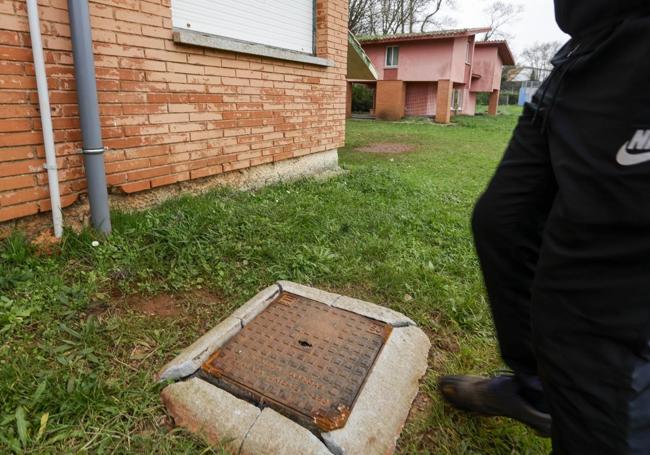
(436, 73)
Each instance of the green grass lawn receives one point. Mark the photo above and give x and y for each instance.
(80, 342)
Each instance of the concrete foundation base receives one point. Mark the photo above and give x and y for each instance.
(320, 165)
(376, 419)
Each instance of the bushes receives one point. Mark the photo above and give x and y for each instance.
(362, 98)
(505, 98)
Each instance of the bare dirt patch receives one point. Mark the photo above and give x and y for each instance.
(194, 306)
(46, 244)
(163, 305)
(386, 147)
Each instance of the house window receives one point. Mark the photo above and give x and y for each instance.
(274, 23)
(468, 52)
(392, 56)
(457, 101)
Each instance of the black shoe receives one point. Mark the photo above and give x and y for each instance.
(498, 396)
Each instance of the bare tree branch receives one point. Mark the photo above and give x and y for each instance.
(396, 16)
(357, 13)
(501, 14)
(537, 58)
(436, 9)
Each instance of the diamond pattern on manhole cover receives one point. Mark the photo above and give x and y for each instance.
(303, 358)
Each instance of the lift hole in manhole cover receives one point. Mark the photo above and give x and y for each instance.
(305, 359)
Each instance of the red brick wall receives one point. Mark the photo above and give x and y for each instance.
(169, 112)
(390, 101)
(493, 103)
(444, 93)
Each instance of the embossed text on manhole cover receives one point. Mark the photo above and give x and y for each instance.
(303, 358)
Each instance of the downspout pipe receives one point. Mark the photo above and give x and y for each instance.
(91, 134)
(46, 116)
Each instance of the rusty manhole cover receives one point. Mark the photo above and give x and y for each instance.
(303, 358)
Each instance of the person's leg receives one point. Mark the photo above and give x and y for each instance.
(591, 314)
(591, 295)
(507, 223)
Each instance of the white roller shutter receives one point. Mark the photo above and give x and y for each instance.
(286, 24)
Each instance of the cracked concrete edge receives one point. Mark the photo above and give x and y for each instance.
(226, 421)
(373, 311)
(273, 434)
(249, 310)
(325, 297)
(390, 389)
(191, 358)
(248, 431)
(214, 414)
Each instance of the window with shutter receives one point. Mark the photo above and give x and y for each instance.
(285, 24)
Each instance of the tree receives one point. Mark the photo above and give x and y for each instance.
(432, 19)
(501, 13)
(357, 13)
(538, 58)
(387, 17)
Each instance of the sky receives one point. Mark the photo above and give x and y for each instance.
(535, 24)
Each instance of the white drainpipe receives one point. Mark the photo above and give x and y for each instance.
(46, 117)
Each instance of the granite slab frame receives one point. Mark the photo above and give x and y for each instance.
(373, 426)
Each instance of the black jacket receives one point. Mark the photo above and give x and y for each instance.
(580, 17)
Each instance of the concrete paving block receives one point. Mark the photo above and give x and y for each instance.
(325, 297)
(373, 311)
(384, 402)
(219, 417)
(274, 434)
(191, 358)
(249, 310)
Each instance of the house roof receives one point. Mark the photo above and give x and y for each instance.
(504, 50)
(439, 34)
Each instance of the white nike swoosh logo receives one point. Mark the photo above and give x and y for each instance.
(625, 158)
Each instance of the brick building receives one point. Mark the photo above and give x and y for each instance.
(176, 102)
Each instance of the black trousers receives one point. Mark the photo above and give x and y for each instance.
(563, 237)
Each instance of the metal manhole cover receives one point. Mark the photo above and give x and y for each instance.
(303, 358)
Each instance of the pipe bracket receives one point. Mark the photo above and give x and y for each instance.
(50, 168)
(92, 151)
